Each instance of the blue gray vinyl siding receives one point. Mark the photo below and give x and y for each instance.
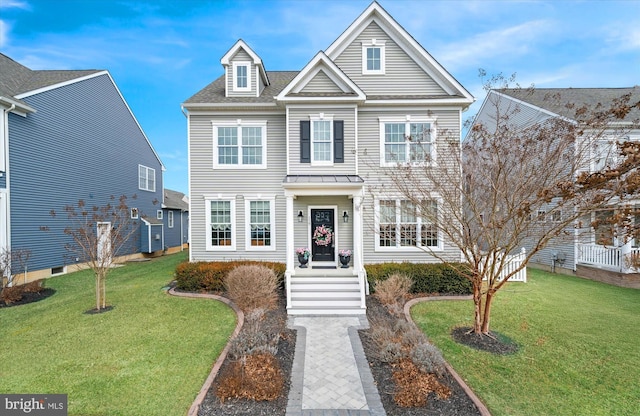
(403, 76)
(3, 181)
(82, 143)
(151, 237)
(177, 235)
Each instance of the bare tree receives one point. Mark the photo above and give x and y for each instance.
(97, 235)
(13, 262)
(512, 183)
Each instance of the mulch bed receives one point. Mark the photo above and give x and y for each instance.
(30, 297)
(458, 403)
(494, 343)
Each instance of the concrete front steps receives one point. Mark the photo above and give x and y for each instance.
(325, 292)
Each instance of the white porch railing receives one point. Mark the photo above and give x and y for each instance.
(612, 258)
(512, 262)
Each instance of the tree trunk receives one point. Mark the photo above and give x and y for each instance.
(477, 305)
(98, 291)
(487, 311)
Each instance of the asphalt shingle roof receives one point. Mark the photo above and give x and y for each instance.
(16, 79)
(174, 200)
(556, 99)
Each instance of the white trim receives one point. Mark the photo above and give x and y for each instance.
(314, 119)
(407, 121)
(147, 171)
(76, 80)
(235, 86)
(170, 220)
(378, 44)
(239, 124)
(207, 230)
(336, 237)
(418, 248)
(321, 61)
(376, 13)
(159, 214)
(247, 222)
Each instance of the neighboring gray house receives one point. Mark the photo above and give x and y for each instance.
(588, 252)
(66, 136)
(175, 217)
(282, 160)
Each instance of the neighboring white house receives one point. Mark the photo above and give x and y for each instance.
(278, 156)
(588, 252)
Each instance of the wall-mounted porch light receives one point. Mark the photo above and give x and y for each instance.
(345, 217)
(300, 216)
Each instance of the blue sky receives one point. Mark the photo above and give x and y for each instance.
(162, 52)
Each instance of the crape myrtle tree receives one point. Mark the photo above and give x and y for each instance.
(515, 181)
(96, 235)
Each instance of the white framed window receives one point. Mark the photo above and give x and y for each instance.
(408, 141)
(400, 225)
(146, 178)
(159, 214)
(373, 57)
(220, 224)
(604, 153)
(242, 76)
(260, 224)
(134, 213)
(322, 140)
(170, 219)
(240, 144)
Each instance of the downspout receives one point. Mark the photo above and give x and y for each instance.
(7, 214)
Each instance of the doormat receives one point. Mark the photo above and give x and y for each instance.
(323, 267)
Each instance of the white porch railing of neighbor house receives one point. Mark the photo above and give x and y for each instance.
(512, 262)
(612, 258)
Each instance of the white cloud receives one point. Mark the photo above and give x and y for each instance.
(512, 41)
(14, 4)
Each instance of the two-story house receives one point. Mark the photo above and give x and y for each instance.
(282, 160)
(596, 253)
(67, 136)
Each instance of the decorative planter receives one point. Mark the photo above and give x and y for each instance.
(303, 260)
(344, 260)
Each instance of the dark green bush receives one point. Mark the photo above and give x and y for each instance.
(209, 276)
(436, 278)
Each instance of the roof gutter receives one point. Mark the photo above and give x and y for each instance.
(13, 104)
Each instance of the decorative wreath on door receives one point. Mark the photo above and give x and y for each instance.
(322, 235)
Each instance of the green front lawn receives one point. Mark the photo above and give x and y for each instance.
(149, 355)
(579, 347)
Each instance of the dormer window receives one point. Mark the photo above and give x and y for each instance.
(373, 57)
(241, 76)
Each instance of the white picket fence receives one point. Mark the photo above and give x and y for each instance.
(607, 257)
(512, 262)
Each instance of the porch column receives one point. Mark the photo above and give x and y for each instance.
(289, 235)
(357, 234)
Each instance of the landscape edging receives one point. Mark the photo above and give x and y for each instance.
(484, 411)
(193, 410)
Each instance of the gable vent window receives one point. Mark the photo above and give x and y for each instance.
(373, 57)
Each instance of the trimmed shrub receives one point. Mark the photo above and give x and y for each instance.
(209, 276)
(428, 358)
(33, 287)
(252, 287)
(393, 290)
(429, 278)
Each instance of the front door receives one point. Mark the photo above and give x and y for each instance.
(322, 234)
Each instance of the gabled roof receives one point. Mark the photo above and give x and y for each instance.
(174, 200)
(376, 13)
(555, 100)
(17, 81)
(214, 93)
(240, 44)
(321, 62)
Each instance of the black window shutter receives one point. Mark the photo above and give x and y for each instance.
(305, 141)
(338, 141)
